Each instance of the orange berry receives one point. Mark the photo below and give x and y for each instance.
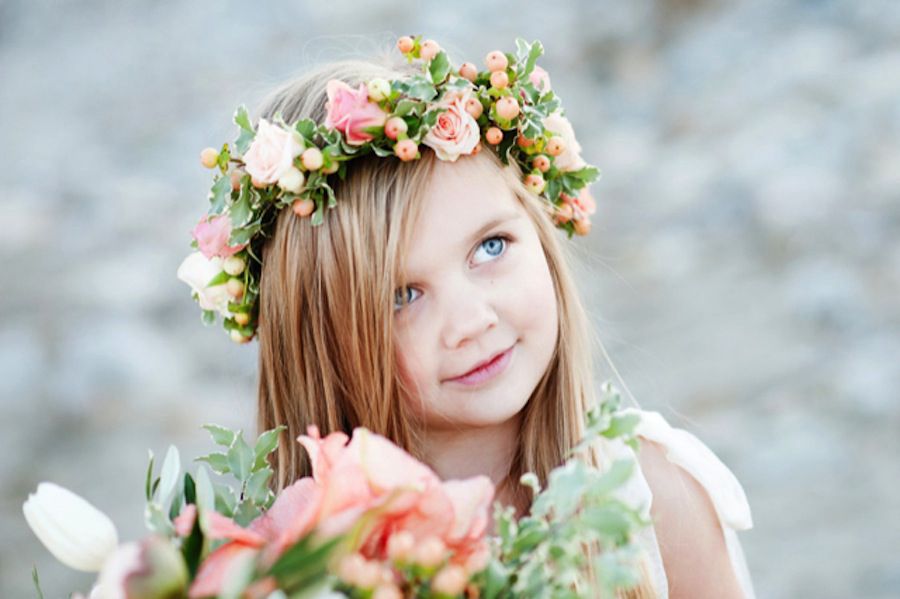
(535, 182)
(209, 157)
(476, 149)
(507, 108)
(237, 337)
(541, 163)
(430, 552)
(406, 150)
(474, 107)
(405, 44)
(429, 49)
(303, 207)
(387, 591)
(496, 61)
(450, 580)
(582, 226)
(494, 136)
(312, 159)
(242, 318)
(394, 127)
(524, 142)
(469, 71)
(499, 79)
(331, 168)
(564, 214)
(555, 146)
(235, 288)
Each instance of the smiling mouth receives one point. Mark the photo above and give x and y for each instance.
(486, 370)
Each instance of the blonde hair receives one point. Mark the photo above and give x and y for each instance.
(326, 354)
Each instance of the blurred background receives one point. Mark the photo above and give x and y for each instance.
(743, 272)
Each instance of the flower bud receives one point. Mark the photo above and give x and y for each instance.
(450, 580)
(292, 180)
(467, 70)
(406, 150)
(496, 61)
(494, 135)
(395, 127)
(303, 207)
(312, 159)
(499, 80)
(405, 44)
(555, 146)
(235, 288)
(379, 89)
(209, 157)
(75, 532)
(507, 108)
(234, 265)
(429, 49)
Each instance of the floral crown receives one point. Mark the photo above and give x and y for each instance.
(509, 107)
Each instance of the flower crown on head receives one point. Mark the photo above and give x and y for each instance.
(510, 107)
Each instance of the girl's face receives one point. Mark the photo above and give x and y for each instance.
(476, 315)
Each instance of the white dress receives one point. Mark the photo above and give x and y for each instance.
(691, 454)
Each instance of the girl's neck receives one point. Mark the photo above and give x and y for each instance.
(463, 453)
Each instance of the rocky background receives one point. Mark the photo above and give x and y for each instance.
(743, 273)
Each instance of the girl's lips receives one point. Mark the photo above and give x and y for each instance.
(486, 372)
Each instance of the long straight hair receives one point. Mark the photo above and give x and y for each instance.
(325, 332)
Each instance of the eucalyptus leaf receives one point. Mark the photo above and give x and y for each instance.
(265, 444)
(149, 478)
(219, 194)
(240, 211)
(156, 519)
(240, 458)
(206, 496)
(257, 486)
(217, 461)
(220, 434)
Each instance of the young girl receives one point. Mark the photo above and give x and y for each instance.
(434, 305)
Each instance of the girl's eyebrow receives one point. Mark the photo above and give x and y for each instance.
(497, 220)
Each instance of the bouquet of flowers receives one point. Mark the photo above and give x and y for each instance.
(371, 522)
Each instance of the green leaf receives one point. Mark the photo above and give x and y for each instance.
(190, 489)
(242, 236)
(439, 67)
(240, 458)
(219, 194)
(217, 461)
(226, 502)
(257, 486)
(306, 128)
(37, 582)
(149, 482)
(407, 106)
(192, 548)
(220, 435)
(242, 120)
(171, 469)
(245, 512)
(303, 562)
(266, 443)
(240, 211)
(219, 279)
(421, 89)
(206, 496)
(157, 520)
(208, 317)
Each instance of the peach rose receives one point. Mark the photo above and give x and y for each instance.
(212, 237)
(456, 131)
(351, 112)
(570, 159)
(272, 152)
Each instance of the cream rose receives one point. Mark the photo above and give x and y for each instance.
(570, 159)
(455, 133)
(196, 270)
(272, 152)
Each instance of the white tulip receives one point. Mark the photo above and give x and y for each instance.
(75, 532)
(196, 270)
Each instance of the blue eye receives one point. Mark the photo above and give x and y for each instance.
(491, 248)
(404, 295)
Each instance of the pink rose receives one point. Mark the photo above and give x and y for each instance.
(455, 133)
(272, 152)
(540, 79)
(212, 237)
(350, 111)
(583, 205)
(570, 159)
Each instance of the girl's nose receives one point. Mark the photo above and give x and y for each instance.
(467, 314)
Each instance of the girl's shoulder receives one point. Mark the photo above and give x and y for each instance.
(695, 501)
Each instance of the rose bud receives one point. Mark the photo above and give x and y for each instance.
(507, 108)
(406, 150)
(499, 80)
(292, 180)
(467, 70)
(429, 49)
(582, 226)
(450, 580)
(74, 531)
(234, 265)
(541, 163)
(494, 136)
(379, 89)
(395, 127)
(242, 318)
(405, 44)
(235, 288)
(555, 146)
(312, 159)
(496, 61)
(534, 182)
(474, 107)
(303, 207)
(209, 157)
